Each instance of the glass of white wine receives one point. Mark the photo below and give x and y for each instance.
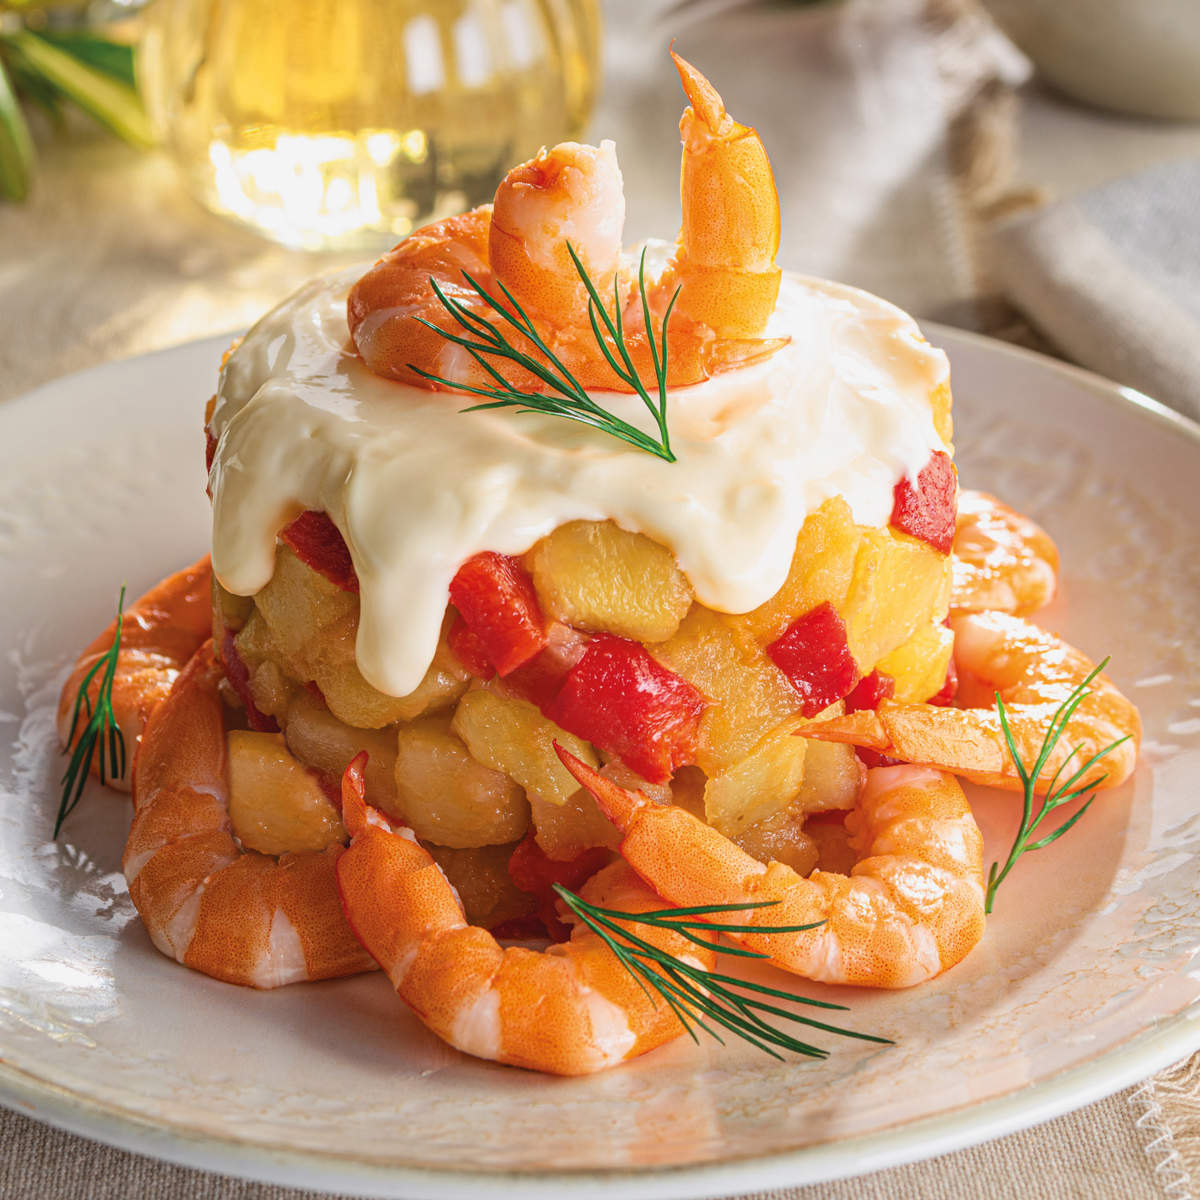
(345, 124)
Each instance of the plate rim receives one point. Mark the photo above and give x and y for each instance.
(1167, 1041)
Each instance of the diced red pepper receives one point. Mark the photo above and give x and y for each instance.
(494, 595)
(541, 679)
(814, 656)
(532, 871)
(872, 758)
(318, 542)
(238, 675)
(210, 450)
(468, 649)
(870, 690)
(928, 507)
(618, 698)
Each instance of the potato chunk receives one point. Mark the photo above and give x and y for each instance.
(597, 576)
(319, 739)
(899, 585)
(822, 567)
(299, 605)
(763, 783)
(511, 736)
(749, 695)
(276, 805)
(449, 798)
(782, 838)
(919, 665)
(481, 879)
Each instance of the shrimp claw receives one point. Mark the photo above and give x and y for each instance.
(240, 916)
(911, 908)
(570, 1010)
(1034, 673)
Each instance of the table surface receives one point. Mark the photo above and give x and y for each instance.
(858, 105)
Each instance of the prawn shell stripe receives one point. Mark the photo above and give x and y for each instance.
(570, 1010)
(237, 915)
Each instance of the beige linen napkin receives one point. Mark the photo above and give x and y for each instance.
(1112, 276)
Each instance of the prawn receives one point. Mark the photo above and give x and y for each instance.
(569, 1010)
(1034, 672)
(248, 918)
(159, 634)
(1003, 561)
(912, 906)
(723, 264)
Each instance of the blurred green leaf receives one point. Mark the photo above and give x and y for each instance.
(113, 58)
(30, 86)
(16, 146)
(113, 103)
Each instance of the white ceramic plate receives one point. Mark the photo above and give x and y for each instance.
(1085, 982)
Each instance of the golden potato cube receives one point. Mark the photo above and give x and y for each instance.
(229, 611)
(480, 876)
(749, 696)
(298, 604)
(270, 689)
(330, 662)
(512, 736)
(597, 576)
(833, 776)
(900, 584)
(759, 786)
(276, 805)
(822, 567)
(919, 665)
(448, 797)
(565, 831)
(326, 744)
(781, 838)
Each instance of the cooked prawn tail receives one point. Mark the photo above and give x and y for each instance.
(911, 908)
(570, 1010)
(1034, 673)
(205, 900)
(725, 262)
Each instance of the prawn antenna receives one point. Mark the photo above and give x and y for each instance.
(703, 999)
(100, 730)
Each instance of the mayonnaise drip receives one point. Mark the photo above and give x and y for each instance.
(417, 487)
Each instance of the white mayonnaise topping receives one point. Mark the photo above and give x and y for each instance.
(417, 487)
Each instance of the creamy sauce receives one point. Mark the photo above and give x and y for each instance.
(416, 486)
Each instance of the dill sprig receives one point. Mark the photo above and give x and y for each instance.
(566, 397)
(700, 998)
(100, 731)
(1058, 793)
